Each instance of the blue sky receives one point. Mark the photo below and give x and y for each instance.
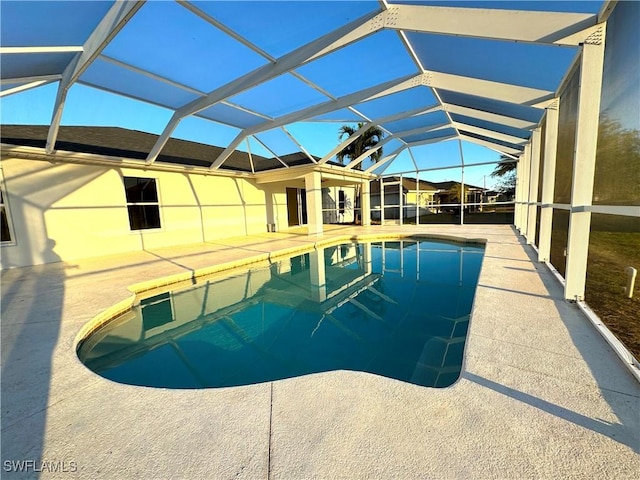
(88, 106)
(172, 42)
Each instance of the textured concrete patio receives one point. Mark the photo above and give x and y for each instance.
(541, 395)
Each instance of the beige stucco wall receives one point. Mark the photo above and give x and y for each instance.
(63, 211)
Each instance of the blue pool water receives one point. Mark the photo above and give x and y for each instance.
(399, 309)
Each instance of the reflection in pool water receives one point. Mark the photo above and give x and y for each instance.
(398, 309)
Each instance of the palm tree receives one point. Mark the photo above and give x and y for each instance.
(506, 172)
(366, 141)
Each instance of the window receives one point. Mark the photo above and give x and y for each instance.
(142, 203)
(5, 223)
(341, 201)
(156, 311)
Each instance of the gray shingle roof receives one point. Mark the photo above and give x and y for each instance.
(120, 142)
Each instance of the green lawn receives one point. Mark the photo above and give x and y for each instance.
(609, 253)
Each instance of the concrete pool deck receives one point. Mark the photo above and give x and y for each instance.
(542, 395)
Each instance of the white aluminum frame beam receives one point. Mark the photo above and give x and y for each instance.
(557, 28)
(514, 25)
(489, 117)
(25, 86)
(416, 112)
(548, 181)
(584, 161)
(489, 89)
(368, 153)
(386, 159)
(302, 149)
(35, 78)
(114, 20)
(534, 177)
(417, 130)
(275, 155)
(45, 49)
(490, 133)
(493, 146)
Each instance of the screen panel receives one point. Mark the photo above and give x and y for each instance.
(418, 121)
(617, 177)
(496, 127)
(167, 35)
(517, 63)
(567, 118)
(282, 95)
(229, 115)
(279, 30)
(614, 243)
(352, 68)
(89, 106)
(435, 134)
(107, 75)
(523, 112)
(398, 102)
(34, 64)
(60, 23)
(434, 155)
(559, 239)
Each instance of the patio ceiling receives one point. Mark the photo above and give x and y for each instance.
(425, 72)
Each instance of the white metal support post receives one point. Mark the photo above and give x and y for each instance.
(401, 201)
(517, 207)
(548, 181)
(533, 186)
(584, 161)
(365, 203)
(317, 275)
(313, 187)
(462, 195)
(462, 199)
(526, 177)
(381, 201)
(523, 187)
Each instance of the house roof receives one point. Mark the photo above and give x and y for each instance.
(449, 184)
(121, 142)
(425, 72)
(411, 184)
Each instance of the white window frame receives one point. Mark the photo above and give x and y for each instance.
(157, 204)
(7, 209)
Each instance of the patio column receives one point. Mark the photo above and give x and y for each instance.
(548, 181)
(313, 187)
(365, 203)
(522, 193)
(367, 258)
(584, 161)
(517, 207)
(533, 186)
(317, 275)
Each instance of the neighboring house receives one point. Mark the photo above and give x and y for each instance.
(407, 192)
(421, 197)
(449, 191)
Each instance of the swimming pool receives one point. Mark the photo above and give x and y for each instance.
(399, 309)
